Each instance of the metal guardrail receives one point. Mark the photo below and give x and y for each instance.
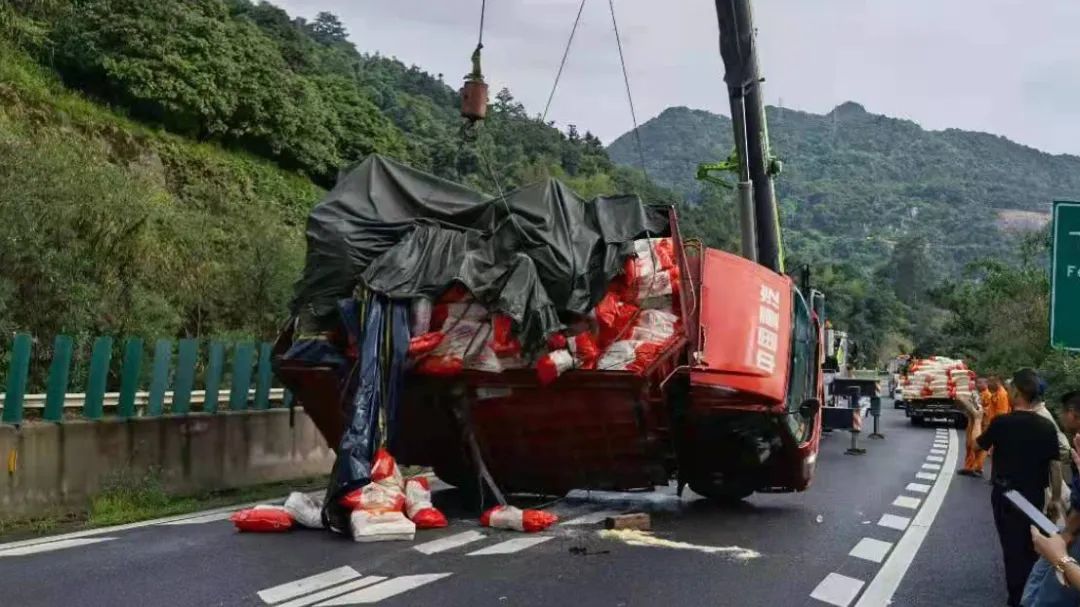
(75, 400)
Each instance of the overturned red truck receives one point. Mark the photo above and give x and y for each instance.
(719, 389)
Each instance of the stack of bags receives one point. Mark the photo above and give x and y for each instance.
(628, 330)
(939, 377)
(388, 508)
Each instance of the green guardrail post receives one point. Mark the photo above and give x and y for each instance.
(263, 378)
(159, 381)
(129, 377)
(214, 366)
(241, 376)
(59, 374)
(17, 374)
(99, 373)
(185, 375)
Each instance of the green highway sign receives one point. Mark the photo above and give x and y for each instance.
(1065, 277)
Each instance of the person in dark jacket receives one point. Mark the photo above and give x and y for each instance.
(1024, 445)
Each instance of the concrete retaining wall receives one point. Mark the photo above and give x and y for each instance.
(56, 467)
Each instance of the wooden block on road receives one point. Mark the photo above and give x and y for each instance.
(636, 520)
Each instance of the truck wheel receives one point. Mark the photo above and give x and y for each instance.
(721, 494)
(916, 421)
(961, 422)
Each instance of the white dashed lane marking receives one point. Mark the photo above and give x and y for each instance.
(893, 521)
(926, 476)
(870, 549)
(935, 458)
(303, 586)
(512, 546)
(937, 452)
(931, 467)
(837, 590)
(384, 590)
(918, 488)
(330, 593)
(449, 542)
(904, 501)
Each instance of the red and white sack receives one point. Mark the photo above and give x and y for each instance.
(510, 517)
(584, 349)
(503, 340)
(613, 317)
(553, 364)
(652, 271)
(418, 505)
(462, 340)
(628, 355)
(305, 510)
(385, 492)
(485, 360)
(375, 497)
(655, 326)
(262, 519)
(367, 526)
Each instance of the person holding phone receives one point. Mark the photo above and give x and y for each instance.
(1024, 446)
(1053, 580)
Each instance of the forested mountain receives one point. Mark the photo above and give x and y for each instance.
(855, 183)
(170, 151)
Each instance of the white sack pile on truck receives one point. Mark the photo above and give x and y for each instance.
(407, 273)
(938, 377)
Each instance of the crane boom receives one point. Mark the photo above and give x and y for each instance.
(742, 73)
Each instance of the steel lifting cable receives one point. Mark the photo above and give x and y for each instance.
(629, 95)
(562, 64)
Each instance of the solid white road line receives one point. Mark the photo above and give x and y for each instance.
(926, 476)
(449, 542)
(384, 590)
(50, 546)
(332, 592)
(919, 487)
(512, 546)
(894, 522)
(904, 501)
(837, 590)
(938, 451)
(937, 459)
(871, 550)
(592, 518)
(198, 520)
(311, 583)
(227, 510)
(884, 585)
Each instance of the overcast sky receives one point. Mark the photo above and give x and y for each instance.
(1010, 67)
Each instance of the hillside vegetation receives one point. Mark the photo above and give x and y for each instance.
(158, 159)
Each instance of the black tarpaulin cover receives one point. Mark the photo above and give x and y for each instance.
(540, 251)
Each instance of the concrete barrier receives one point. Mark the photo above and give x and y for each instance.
(55, 467)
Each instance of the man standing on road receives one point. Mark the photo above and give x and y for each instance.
(973, 458)
(1043, 588)
(1024, 445)
(999, 399)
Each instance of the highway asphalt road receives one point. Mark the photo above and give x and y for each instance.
(893, 526)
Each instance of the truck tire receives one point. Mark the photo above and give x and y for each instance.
(961, 422)
(721, 494)
(916, 421)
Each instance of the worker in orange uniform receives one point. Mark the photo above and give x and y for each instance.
(974, 458)
(1000, 404)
